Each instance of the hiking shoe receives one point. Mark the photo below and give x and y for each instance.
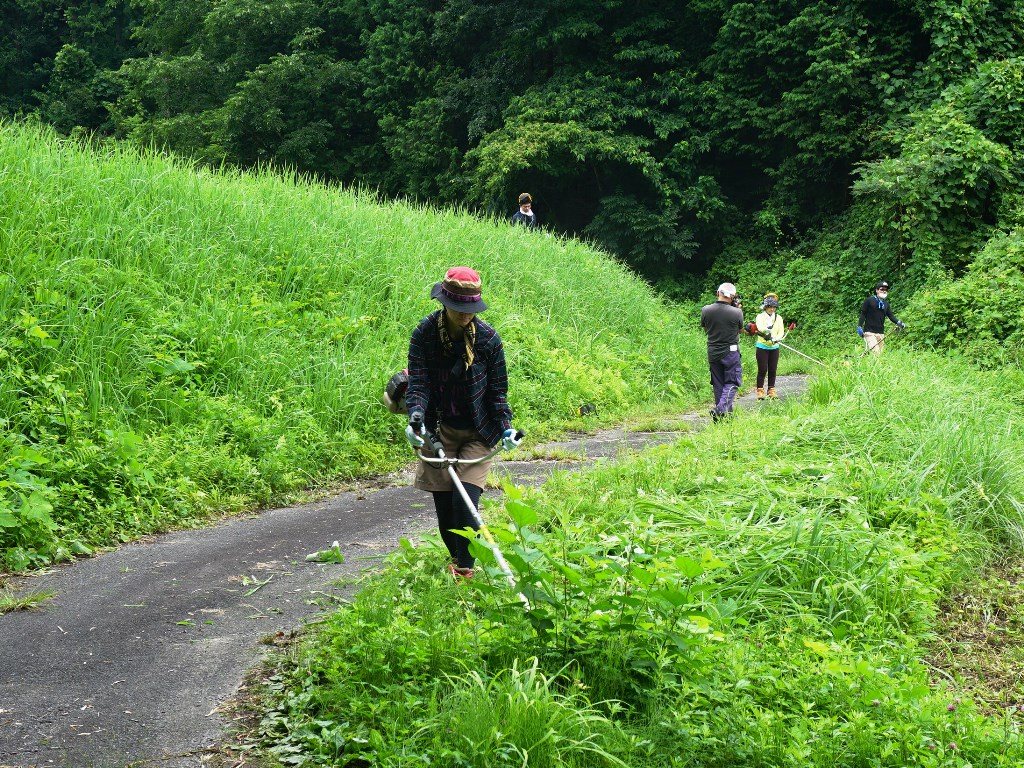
(771, 393)
(760, 393)
(460, 573)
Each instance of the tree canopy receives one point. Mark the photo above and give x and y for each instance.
(671, 133)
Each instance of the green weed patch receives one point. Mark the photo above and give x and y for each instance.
(763, 592)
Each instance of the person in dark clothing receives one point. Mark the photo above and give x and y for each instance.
(525, 214)
(871, 323)
(723, 322)
(458, 388)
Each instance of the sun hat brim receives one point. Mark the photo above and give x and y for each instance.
(469, 307)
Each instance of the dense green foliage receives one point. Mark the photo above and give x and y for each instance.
(758, 594)
(178, 342)
(676, 134)
(941, 218)
(59, 59)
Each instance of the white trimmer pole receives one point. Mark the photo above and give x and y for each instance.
(802, 354)
(491, 543)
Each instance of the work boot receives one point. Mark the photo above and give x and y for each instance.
(771, 393)
(760, 393)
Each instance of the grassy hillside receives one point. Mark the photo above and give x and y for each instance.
(177, 342)
(762, 593)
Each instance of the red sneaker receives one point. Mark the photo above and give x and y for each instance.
(460, 573)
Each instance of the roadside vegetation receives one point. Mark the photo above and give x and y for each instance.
(179, 343)
(10, 600)
(761, 593)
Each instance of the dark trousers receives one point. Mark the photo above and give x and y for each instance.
(767, 363)
(453, 515)
(726, 379)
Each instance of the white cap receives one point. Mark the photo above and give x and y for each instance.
(727, 289)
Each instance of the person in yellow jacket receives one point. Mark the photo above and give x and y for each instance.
(770, 331)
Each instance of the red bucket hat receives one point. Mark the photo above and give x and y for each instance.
(460, 291)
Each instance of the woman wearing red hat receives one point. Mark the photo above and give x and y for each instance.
(458, 388)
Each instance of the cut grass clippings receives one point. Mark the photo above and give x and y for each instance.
(979, 640)
(10, 602)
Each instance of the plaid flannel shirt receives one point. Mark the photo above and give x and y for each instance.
(486, 380)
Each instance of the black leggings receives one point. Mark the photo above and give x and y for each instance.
(452, 514)
(767, 361)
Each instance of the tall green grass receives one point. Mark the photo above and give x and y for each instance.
(758, 594)
(177, 342)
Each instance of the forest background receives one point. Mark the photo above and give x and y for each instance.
(804, 147)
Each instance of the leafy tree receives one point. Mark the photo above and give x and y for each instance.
(55, 55)
(73, 96)
(942, 192)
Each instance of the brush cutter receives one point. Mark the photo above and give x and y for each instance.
(752, 329)
(893, 335)
(801, 354)
(443, 462)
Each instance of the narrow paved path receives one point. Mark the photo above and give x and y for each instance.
(128, 664)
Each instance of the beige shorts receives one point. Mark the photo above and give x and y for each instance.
(457, 444)
(874, 342)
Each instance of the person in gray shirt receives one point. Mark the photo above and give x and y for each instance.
(723, 322)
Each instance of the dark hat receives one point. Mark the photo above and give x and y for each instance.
(525, 198)
(770, 300)
(460, 291)
(881, 284)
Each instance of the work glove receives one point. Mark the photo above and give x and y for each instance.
(414, 439)
(902, 325)
(415, 429)
(509, 439)
(860, 331)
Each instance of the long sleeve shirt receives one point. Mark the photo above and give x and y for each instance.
(484, 387)
(873, 313)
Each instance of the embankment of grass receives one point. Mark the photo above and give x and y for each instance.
(178, 343)
(762, 593)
